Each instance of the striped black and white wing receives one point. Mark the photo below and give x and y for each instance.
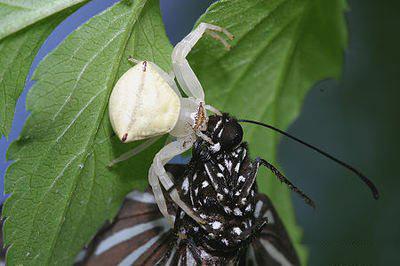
(140, 235)
(273, 246)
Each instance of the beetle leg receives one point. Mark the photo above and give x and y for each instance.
(283, 179)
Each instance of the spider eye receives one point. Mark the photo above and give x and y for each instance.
(231, 136)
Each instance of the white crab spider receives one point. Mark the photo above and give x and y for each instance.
(146, 103)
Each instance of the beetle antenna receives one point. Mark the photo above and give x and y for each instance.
(363, 178)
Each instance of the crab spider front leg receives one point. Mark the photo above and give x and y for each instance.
(184, 74)
(158, 174)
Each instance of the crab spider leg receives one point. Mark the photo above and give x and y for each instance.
(213, 109)
(204, 137)
(184, 74)
(219, 38)
(158, 174)
(125, 156)
(133, 60)
(159, 196)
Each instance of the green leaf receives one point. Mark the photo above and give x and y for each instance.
(62, 190)
(281, 49)
(18, 51)
(16, 15)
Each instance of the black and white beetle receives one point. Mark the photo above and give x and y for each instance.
(140, 235)
(241, 225)
(220, 185)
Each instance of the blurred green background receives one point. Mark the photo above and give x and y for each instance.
(356, 119)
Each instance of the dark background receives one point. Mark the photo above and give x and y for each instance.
(356, 119)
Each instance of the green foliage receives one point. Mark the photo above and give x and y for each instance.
(282, 48)
(19, 42)
(62, 190)
(16, 15)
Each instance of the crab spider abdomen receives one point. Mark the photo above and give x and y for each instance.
(143, 104)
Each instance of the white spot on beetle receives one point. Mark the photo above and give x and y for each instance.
(204, 184)
(216, 147)
(218, 124)
(228, 164)
(237, 212)
(216, 225)
(237, 167)
(237, 230)
(220, 133)
(227, 209)
(185, 185)
(248, 208)
(243, 201)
